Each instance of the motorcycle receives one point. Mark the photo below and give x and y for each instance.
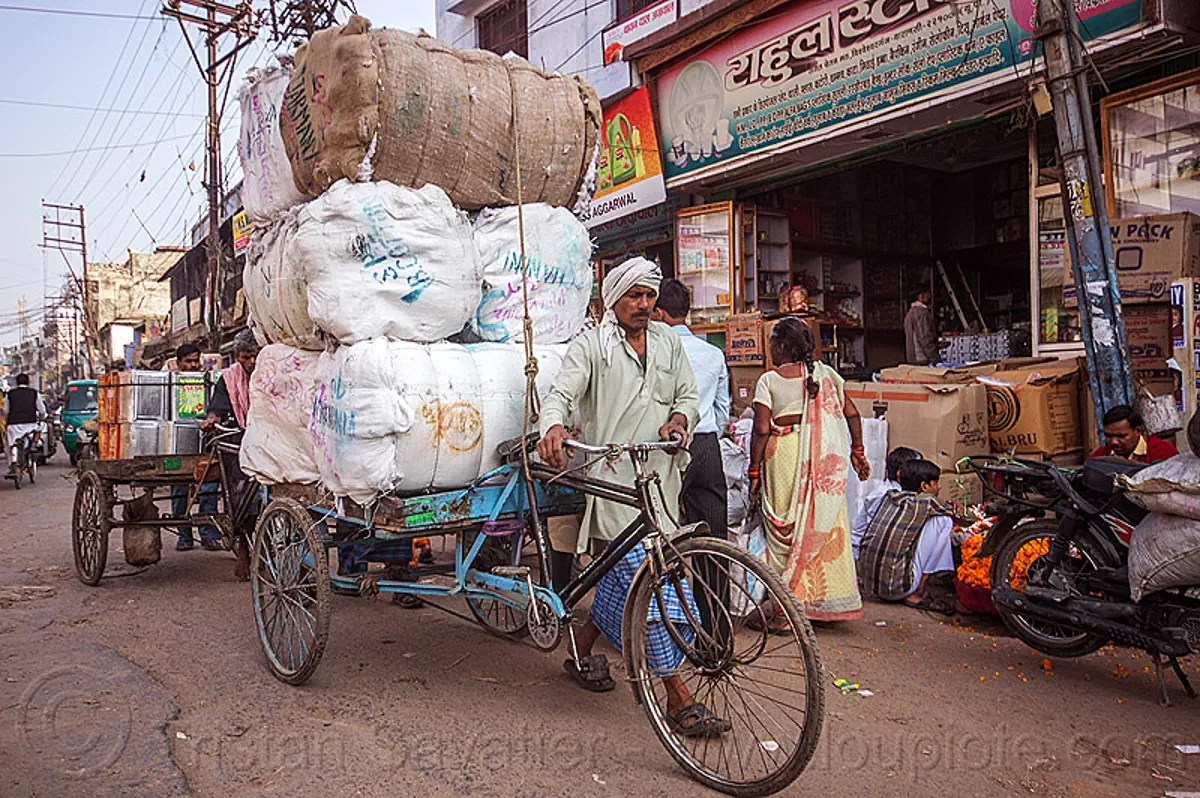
(87, 444)
(1059, 573)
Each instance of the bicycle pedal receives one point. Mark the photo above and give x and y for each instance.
(512, 571)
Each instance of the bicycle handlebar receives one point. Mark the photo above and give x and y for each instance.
(616, 449)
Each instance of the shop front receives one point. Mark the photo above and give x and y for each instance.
(839, 156)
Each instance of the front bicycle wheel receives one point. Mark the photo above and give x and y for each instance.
(756, 669)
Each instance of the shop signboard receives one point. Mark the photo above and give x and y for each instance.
(242, 228)
(637, 27)
(629, 174)
(817, 66)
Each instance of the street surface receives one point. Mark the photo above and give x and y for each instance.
(153, 684)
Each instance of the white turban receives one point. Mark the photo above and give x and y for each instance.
(617, 283)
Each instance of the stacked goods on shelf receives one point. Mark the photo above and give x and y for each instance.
(143, 413)
(358, 289)
(388, 105)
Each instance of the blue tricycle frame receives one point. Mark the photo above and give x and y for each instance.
(297, 529)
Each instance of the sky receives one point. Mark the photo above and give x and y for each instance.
(130, 149)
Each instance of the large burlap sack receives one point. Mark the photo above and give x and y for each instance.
(404, 417)
(330, 112)
(558, 258)
(388, 105)
(276, 290)
(268, 188)
(380, 260)
(278, 446)
(1163, 552)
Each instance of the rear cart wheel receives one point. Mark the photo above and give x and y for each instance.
(289, 583)
(493, 614)
(91, 521)
(752, 662)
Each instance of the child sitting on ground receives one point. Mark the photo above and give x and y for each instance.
(908, 540)
(896, 458)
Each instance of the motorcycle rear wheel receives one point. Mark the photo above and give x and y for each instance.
(1044, 636)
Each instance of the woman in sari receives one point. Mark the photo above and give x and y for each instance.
(806, 435)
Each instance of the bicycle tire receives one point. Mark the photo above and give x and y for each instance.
(297, 582)
(777, 774)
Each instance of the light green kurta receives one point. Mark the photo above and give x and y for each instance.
(623, 402)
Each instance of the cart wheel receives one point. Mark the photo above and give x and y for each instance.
(289, 581)
(91, 522)
(492, 614)
(498, 617)
(752, 661)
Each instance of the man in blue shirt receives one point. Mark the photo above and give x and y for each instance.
(704, 494)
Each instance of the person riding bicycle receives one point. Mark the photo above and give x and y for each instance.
(629, 379)
(24, 411)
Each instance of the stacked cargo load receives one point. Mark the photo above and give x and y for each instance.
(387, 279)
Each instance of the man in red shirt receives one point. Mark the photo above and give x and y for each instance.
(1125, 436)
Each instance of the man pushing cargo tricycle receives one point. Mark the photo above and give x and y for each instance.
(193, 440)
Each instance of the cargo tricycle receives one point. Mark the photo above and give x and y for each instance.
(700, 612)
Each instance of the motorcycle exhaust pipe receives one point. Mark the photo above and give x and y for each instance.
(1102, 627)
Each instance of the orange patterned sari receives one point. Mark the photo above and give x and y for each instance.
(804, 505)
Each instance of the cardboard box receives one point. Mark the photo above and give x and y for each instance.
(945, 423)
(1148, 328)
(1036, 410)
(960, 491)
(742, 381)
(926, 375)
(744, 340)
(1150, 252)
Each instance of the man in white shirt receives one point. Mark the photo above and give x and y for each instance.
(24, 410)
(704, 494)
(895, 459)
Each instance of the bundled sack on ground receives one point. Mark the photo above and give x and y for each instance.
(387, 105)
(268, 188)
(378, 260)
(278, 446)
(276, 292)
(558, 258)
(394, 416)
(1171, 486)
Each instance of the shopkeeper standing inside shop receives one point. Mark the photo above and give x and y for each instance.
(920, 330)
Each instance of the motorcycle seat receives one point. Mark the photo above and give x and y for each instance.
(1097, 474)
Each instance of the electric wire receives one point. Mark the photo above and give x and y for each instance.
(100, 100)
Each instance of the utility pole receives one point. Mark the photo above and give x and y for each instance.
(295, 21)
(219, 19)
(1088, 234)
(64, 228)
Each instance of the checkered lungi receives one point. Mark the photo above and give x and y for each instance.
(608, 610)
